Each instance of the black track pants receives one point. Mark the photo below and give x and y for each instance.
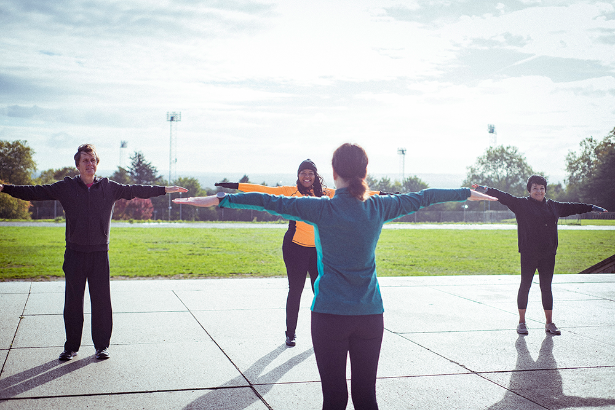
(299, 260)
(334, 337)
(545, 264)
(92, 267)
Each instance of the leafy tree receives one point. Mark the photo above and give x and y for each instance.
(141, 171)
(600, 189)
(121, 176)
(501, 167)
(244, 180)
(413, 184)
(136, 208)
(188, 213)
(582, 167)
(16, 163)
(53, 175)
(13, 208)
(16, 167)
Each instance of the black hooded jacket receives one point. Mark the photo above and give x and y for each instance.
(537, 220)
(88, 210)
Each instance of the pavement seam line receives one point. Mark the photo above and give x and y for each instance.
(16, 329)
(469, 370)
(261, 398)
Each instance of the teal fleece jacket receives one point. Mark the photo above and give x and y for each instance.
(346, 232)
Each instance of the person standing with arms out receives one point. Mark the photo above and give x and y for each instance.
(347, 309)
(537, 219)
(88, 203)
(298, 247)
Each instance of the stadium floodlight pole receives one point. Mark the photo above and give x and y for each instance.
(172, 117)
(402, 152)
(494, 134)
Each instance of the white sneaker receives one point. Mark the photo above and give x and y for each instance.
(522, 329)
(551, 328)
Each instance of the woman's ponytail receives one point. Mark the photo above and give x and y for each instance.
(350, 162)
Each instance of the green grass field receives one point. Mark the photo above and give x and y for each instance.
(36, 253)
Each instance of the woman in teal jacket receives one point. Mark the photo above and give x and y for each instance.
(347, 309)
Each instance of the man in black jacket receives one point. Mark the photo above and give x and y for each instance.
(88, 203)
(537, 238)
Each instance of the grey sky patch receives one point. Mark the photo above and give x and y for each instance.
(434, 11)
(474, 64)
(49, 53)
(113, 20)
(24, 112)
(24, 90)
(503, 40)
(560, 69)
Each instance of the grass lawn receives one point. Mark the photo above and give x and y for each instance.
(37, 252)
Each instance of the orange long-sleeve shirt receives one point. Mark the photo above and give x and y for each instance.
(304, 233)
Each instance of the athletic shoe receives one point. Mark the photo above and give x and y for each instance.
(551, 328)
(522, 329)
(67, 355)
(291, 341)
(102, 354)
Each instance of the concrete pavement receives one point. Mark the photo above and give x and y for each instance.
(449, 343)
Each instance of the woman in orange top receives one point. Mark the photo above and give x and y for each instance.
(298, 246)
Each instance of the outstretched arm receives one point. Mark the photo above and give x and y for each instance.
(173, 189)
(595, 208)
(204, 201)
(479, 196)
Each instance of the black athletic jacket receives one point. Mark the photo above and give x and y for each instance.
(88, 210)
(537, 221)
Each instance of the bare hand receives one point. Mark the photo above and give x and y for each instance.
(479, 188)
(173, 189)
(1, 187)
(477, 196)
(203, 201)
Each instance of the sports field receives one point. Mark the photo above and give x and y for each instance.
(37, 252)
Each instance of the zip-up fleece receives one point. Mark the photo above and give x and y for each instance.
(537, 220)
(88, 210)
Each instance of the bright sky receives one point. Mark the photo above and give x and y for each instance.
(262, 85)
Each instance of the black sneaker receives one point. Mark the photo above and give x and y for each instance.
(102, 354)
(67, 355)
(291, 341)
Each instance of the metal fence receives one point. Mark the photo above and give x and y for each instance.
(53, 209)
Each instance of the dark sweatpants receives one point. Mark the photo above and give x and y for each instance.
(300, 261)
(545, 264)
(93, 267)
(333, 338)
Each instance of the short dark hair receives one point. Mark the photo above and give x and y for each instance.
(538, 180)
(87, 148)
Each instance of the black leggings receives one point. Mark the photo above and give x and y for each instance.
(545, 265)
(333, 338)
(92, 267)
(299, 260)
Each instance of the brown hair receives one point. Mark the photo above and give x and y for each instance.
(350, 162)
(87, 148)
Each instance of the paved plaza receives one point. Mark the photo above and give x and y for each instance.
(449, 343)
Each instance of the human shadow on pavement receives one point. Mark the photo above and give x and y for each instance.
(540, 382)
(236, 394)
(26, 380)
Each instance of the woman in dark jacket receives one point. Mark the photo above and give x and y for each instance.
(537, 237)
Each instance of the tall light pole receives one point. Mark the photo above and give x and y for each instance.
(402, 152)
(123, 146)
(494, 134)
(173, 117)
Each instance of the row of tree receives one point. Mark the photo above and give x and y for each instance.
(590, 179)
